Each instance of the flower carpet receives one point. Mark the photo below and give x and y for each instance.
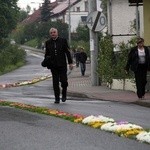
(27, 82)
(121, 128)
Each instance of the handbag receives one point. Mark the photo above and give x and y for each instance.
(47, 62)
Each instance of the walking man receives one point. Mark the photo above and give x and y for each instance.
(58, 50)
(82, 60)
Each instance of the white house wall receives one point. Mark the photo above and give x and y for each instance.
(76, 16)
(122, 15)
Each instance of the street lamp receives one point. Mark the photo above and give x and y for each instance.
(69, 36)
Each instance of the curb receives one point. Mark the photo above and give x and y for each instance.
(82, 95)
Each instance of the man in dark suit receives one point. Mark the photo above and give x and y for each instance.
(58, 50)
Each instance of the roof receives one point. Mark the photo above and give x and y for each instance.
(36, 15)
(33, 17)
(58, 6)
(63, 6)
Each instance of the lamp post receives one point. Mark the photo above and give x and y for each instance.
(69, 36)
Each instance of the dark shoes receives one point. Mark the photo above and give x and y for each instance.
(57, 102)
(63, 99)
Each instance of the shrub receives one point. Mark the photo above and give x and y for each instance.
(10, 55)
(111, 65)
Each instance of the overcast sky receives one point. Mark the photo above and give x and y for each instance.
(32, 3)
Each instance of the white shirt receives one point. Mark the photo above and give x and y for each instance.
(141, 54)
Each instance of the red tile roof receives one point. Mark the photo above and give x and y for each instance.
(33, 17)
(58, 8)
(63, 6)
(36, 15)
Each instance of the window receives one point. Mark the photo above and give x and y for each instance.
(135, 1)
(78, 9)
(86, 6)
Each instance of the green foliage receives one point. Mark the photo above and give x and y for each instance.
(82, 33)
(10, 55)
(105, 59)
(28, 9)
(104, 7)
(111, 65)
(39, 31)
(29, 32)
(45, 12)
(32, 43)
(9, 14)
(23, 15)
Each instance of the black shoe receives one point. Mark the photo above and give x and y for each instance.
(63, 99)
(57, 102)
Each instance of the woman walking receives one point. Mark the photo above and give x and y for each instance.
(139, 62)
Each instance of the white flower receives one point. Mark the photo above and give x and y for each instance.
(109, 127)
(143, 137)
(96, 119)
(113, 127)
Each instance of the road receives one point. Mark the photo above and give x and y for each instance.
(23, 130)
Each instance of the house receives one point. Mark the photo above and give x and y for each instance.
(62, 9)
(122, 13)
(36, 15)
(121, 17)
(78, 12)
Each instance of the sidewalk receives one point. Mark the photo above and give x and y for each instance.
(80, 86)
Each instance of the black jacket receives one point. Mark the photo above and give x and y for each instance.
(133, 59)
(82, 57)
(58, 50)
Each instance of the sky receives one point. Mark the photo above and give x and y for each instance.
(32, 3)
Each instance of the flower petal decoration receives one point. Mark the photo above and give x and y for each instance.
(99, 118)
(143, 137)
(27, 82)
(122, 128)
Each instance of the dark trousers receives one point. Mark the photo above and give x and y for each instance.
(83, 68)
(141, 80)
(59, 74)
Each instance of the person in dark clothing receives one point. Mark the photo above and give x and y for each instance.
(76, 56)
(139, 61)
(82, 60)
(58, 50)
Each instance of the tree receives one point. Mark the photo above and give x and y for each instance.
(9, 14)
(82, 33)
(28, 8)
(42, 29)
(23, 15)
(45, 12)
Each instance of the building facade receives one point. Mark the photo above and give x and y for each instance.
(78, 12)
(120, 20)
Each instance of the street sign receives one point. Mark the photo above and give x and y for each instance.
(96, 21)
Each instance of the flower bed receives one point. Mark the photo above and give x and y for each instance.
(27, 82)
(122, 128)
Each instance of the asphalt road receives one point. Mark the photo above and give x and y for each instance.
(21, 130)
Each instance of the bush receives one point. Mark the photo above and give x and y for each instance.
(105, 60)
(11, 55)
(32, 43)
(111, 65)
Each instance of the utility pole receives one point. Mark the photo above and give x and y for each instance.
(137, 19)
(69, 36)
(93, 48)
